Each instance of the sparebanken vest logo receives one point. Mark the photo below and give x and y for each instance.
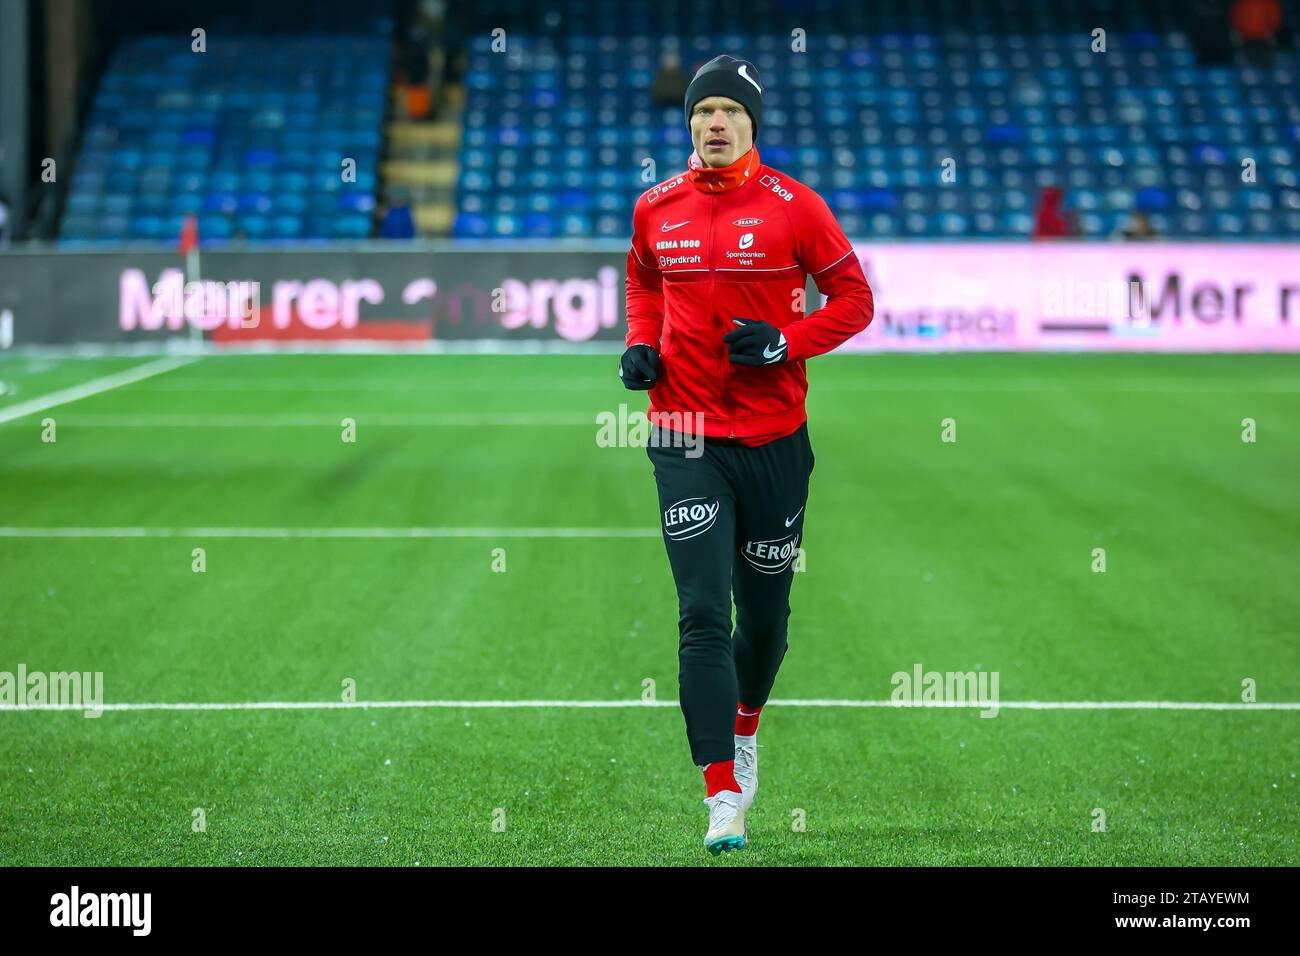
(690, 517)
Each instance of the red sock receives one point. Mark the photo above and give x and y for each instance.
(719, 776)
(747, 720)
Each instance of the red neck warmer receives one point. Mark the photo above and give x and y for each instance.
(709, 179)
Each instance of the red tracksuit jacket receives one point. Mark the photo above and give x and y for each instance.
(710, 245)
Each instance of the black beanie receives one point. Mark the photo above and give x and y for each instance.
(735, 79)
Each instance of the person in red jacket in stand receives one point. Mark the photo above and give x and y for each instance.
(717, 333)
(1051, 221)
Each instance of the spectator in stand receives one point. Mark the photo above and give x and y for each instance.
(670, 83)
(1050, 220)
(4, 222)
(423, 45)
(1137, 229)
(415, 70)
(397, 223)
(1256, 23)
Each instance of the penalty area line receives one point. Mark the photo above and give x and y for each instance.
(85, 390)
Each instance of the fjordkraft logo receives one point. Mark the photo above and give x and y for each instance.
(742, 223)
(772, 557)
(663, 188)
(690, 518)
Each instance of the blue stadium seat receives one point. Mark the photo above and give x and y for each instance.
(239, 131)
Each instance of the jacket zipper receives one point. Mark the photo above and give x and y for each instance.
(726, 365)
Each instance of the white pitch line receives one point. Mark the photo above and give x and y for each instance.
(595, 704)
(1053, 704)
(94, 387)
(435, 420)
(1245, 387)
(434, 387)
(443, 386)
(430, 532)
(345, 386)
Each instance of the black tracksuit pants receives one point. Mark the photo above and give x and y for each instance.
(732, 520)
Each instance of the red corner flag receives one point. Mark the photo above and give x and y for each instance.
(189, 235)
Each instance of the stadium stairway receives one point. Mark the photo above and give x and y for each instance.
(423, 161)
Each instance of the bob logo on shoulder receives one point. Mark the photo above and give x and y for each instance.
(102, 909)
(690, 518)
(774, 183)
(663, 188)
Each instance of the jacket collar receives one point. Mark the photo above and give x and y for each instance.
(723, 178)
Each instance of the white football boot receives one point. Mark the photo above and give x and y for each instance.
(726, 822)
(747, 769)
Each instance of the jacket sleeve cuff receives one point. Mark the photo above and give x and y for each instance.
(796, 342)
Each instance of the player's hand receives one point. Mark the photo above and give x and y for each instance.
(756, 343)
(639, 368)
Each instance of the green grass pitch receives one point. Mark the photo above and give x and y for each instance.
(958, 555)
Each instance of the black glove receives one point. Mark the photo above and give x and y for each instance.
(639, 368)
(756, 343)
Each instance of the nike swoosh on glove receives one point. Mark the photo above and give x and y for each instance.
(639, 368)
(756, 343)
